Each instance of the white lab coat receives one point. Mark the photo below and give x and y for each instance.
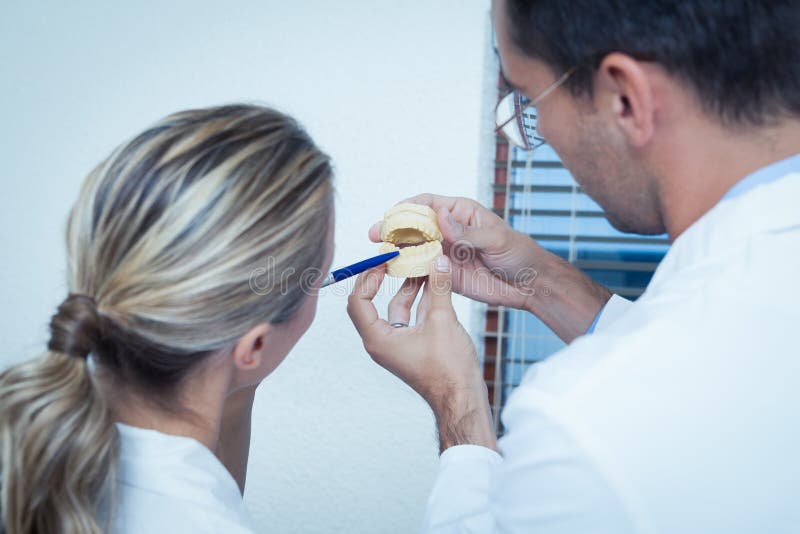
(680, 414)
(175, 485)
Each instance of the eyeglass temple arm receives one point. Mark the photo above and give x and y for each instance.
(519, 108)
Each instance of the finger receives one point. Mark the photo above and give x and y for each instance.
(360, 307)
(464, 210)
(424, 302)
(441, 285)
(462, 221)
(435, 201)
(455, 232)
(375, 232)
(459, 219)
(400, 305)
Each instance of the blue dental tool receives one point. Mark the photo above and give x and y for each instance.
(351, 270)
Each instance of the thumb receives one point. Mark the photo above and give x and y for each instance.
(375, 232)
(441, 284)
(455, 232)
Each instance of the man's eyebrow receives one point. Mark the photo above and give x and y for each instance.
(509, 84)
(506, 81)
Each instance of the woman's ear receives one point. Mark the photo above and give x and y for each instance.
(251, 349)
(624, 87)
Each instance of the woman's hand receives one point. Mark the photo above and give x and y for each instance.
(435, 356)
(500, 266)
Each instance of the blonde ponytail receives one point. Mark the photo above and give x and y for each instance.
(57, 436)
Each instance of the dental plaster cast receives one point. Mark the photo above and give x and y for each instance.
(411, 229)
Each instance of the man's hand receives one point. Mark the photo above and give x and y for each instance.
(435, 356)
(495, 264)
(492, 263)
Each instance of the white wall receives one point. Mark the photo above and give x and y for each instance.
(394, 91)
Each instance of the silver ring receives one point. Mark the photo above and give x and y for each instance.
(399, 325)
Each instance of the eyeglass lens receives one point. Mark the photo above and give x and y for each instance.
(519, 131)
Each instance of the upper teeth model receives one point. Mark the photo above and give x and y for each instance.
(411, 229)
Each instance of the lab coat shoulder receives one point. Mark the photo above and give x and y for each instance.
(707, 352)
(734, 267)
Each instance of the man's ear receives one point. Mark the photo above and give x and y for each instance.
(250, 350)
(625, 85)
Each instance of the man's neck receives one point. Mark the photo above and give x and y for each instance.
(700, 167)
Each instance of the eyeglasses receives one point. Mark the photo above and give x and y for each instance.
(515, 116)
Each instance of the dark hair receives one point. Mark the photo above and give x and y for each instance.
(742, 57)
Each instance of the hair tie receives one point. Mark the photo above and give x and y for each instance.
(74, 329)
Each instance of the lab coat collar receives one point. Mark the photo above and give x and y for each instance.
(769, 207)
(176, 466)
(769, 173)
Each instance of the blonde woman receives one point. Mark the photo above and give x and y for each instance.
(137, 418)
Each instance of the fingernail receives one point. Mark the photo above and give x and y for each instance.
(442, 264)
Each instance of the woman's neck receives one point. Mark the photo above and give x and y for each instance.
(199, 416)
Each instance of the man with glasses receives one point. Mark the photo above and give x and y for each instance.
(676, 413)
